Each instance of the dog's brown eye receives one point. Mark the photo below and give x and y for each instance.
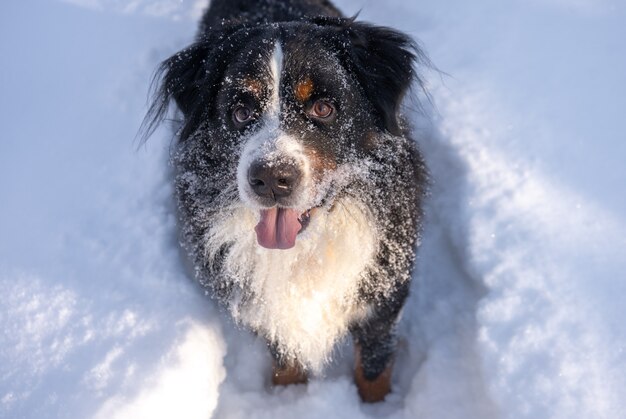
(322, 109)
(242, 114)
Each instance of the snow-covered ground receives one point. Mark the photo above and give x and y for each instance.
(518, 305)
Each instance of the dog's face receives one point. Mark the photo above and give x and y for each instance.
(291, 106)
(295, 123)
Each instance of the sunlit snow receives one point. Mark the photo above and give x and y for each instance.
(517, 306)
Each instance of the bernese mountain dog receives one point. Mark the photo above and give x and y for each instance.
(298, 184)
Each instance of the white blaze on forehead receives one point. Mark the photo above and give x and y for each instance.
(276, 69)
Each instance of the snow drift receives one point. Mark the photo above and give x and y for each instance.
(516, 310)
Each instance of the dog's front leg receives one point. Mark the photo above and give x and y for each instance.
(374, 349)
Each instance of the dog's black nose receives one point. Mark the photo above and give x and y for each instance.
(274, 179)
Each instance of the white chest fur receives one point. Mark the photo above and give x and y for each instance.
(303, 298)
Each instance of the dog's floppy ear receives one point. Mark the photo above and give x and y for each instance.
(183, 76)
(178, 78)
(383, 61)
(189, 78)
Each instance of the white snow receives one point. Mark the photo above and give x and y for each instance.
(517, 309)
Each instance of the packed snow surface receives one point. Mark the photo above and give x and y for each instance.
(517, 306)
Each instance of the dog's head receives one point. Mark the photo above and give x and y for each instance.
(295, 102)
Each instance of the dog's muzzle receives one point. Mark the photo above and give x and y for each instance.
(273, 183)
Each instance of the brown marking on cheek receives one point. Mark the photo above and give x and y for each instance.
(370, 141)
(320, 162)
(253, 86)
(304, 90)
(291, 373)
(375, 390)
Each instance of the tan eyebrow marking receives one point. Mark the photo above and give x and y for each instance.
(304, 89)
(253, 86)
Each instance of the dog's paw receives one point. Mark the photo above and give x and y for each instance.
(288, 374)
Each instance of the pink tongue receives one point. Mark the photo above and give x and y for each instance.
(278, 228)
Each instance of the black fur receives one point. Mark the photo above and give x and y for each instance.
(234, 40)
